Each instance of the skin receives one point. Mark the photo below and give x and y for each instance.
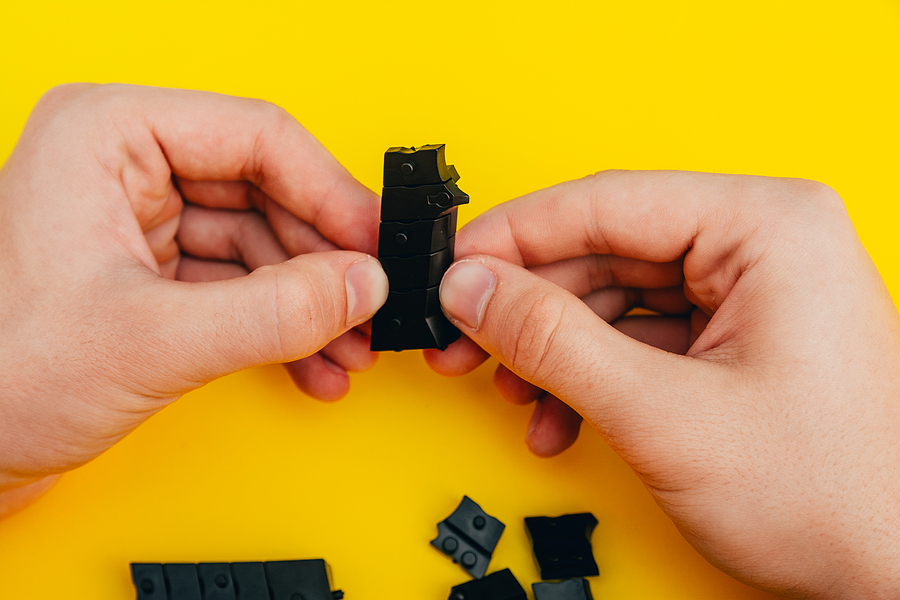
(758, 399)
(146, 244)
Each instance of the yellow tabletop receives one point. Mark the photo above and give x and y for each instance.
(524, 95)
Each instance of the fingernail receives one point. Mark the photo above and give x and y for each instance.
(466, 289)
(367, 289)
(535, 418)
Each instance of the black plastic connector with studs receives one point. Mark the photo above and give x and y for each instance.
(469, 537)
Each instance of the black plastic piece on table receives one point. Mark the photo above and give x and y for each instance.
(404, 238)
(569, 589)
(562, 545)
(417, 166)
(276, 580)
(501, 585)
(469, 537)
(415, 246)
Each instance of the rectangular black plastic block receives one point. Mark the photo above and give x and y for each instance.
(417, 166)
(149, 581)
(423, 202)
(216, 581)
(250, 581)
(569, 589)
(406, 238)
(501, 585)
(411, 320)
(183, 582)
(414, 272)
(293, 579)
(562, 546)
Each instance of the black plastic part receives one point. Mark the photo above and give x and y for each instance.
(419, 271)
(415, 245)
(417, 166)
(250, 581)
(306, 579)
(501, 585)
(422, 202)
(277, 580)
(562, 545)
(215, 581)
(183, 582)
(404, 238)
(412, 319)
(569, 589)
(149, 581)
(469, 537)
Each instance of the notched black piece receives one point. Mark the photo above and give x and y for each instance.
(562, 545)
(422, 202)
(277, 580)
(419, 271)
(569, 589)
(412, 319)
(501, 585)
(417, 166)
(469, 537)
(405, 238)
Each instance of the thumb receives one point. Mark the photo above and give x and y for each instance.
(550, 338)
(196, 332)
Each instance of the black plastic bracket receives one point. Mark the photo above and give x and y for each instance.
(469, 537)
(562, 545)
(569, 589)
(501, 585)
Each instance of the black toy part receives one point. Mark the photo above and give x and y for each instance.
(405, 238)
(569, 589)
(417, 166)
(469, 537)
(422, 202)
(276, 580)
(419, 271)
(562, 546)
(501, 585)
(412, 319)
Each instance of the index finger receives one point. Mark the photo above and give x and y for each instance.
(213, 137)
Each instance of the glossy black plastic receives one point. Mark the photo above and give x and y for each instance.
(469, 537)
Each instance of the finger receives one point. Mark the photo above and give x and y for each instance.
(669, 334)
(611, 303)
(201, 136)
(227, 235)
(297, 236)
(351, 351)
(551, 339)
(459, 358)
(161, 240)
(553, 428)
(584, 274)
(233, 195)
(513, 388)
(195, 270)
(279, 313)
(319, 377)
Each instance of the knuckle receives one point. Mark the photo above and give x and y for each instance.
(534, 355)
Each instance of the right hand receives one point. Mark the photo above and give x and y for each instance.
(760, 405)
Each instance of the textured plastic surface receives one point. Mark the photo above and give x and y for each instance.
(421, 202)
(403, 238)
(419, 271)
(412, 319)
(276, 580)
(501, 585)
(417, 166)
(562, 546)
(569, 589)
(469, 537)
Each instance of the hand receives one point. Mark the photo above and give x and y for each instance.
(110, 194)
(759, 401)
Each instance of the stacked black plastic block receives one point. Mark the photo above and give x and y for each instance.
(415, 247)
(275, 580)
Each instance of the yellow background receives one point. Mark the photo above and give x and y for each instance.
(524, 96)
